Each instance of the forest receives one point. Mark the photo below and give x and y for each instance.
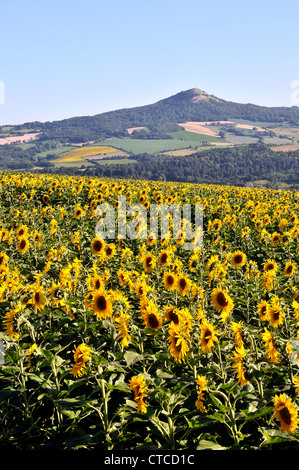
(230, 165)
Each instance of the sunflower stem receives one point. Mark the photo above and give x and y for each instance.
(223, 375)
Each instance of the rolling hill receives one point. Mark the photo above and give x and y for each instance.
(190, 136)
(159, 118)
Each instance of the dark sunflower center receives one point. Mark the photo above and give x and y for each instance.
(207, 336)
(152, 321)
(37, 297)
(101, 303)
(263, 309)
(178, 347)
(170, 280)
(163, 258)
(22, 244)
(238, 259)
(269, 267)
(148, 261)
(97, 284)
(288, 270)
(183, 283)
(97, 245)
(221, 300)
(173, 317)
(285, 414)
(276, 315)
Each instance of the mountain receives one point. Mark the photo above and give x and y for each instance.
(162, 116)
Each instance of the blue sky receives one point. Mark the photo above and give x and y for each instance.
(67, 58)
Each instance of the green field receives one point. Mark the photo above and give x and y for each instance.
(57, 151)
(139, 146)
(194, 137)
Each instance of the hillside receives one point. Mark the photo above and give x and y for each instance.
(159, 139)
(162, 116)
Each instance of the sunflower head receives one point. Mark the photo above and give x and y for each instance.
(101, 304)
(238, 259)
(97, 246)
(286, 413)
(170, 280)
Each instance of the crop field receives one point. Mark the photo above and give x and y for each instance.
(195, 137)
(139, 146)
(78, 154)
(139, 342)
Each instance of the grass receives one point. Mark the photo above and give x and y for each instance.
(138, 146)
(194, 137)
(57, 151)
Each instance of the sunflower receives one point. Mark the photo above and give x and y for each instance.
(286, 412)
(97, 246)
(3, 259)
(123, 329)
(123, 277)
(88, 301)
(211, 264)
(202, 382)
(271, 351)
(141, 288)
(270, 265)
(9, 321)
(275, 239)
(236, 328)
(164, 258)
(238, 365)
(149, 263)
(38, 298)
(263, 310)
(110, 250)
(222, 302)
(183, 284)
(178, 344)
(22, 231)
(238, 259)
(37, 238)
(295, 306)
(289, 269)
(193, 262)
(276, 314)
(138, 386)
(23, 244)
(170, 280)
(81, 356)
(46, 198)
(152, 318)
(171, 314)
(208, 336)
(78, 212)
(296, 383)
(101, 304)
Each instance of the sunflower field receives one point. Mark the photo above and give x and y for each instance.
(124, 344)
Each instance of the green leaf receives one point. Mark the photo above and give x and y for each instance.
(257, 414)
(209, 445)
(131, 357)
